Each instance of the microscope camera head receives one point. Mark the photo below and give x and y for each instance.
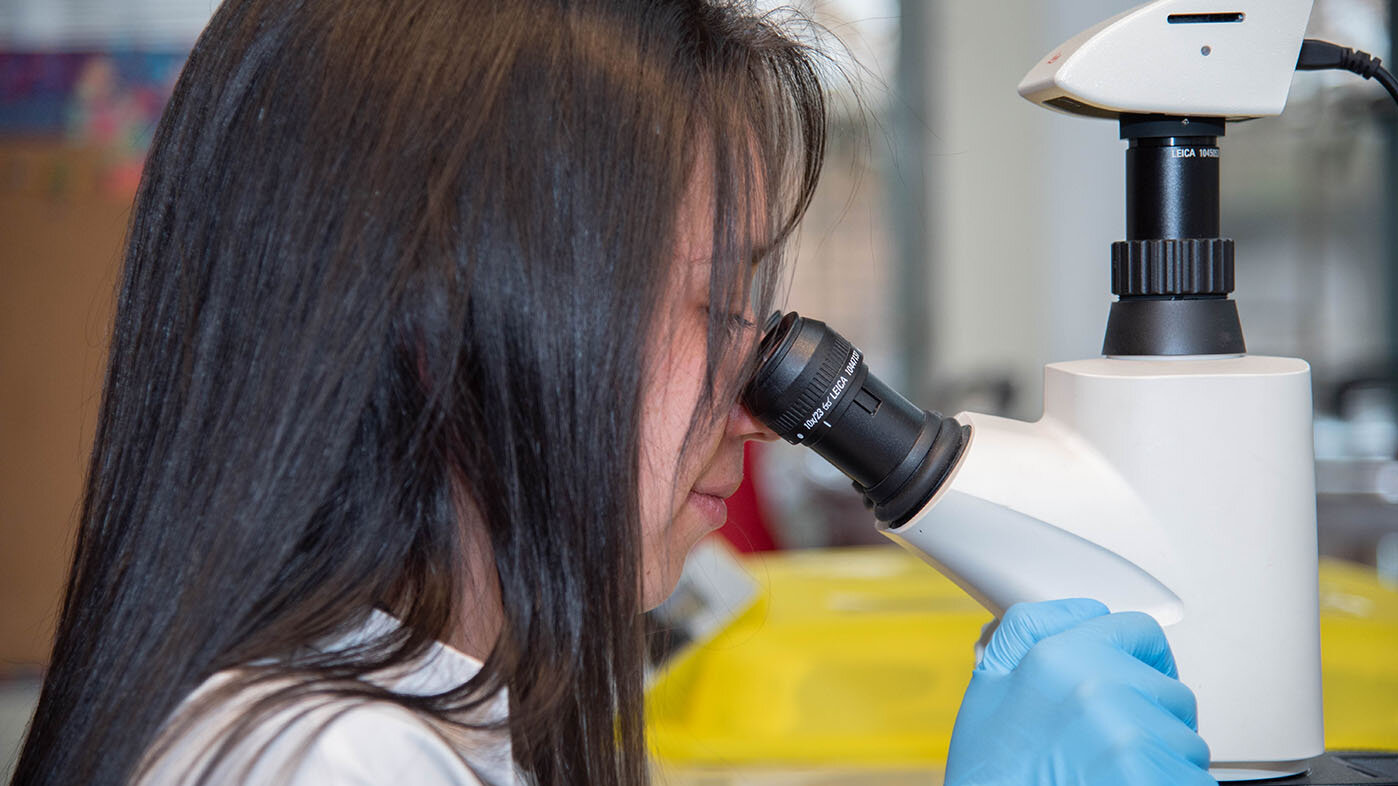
(1230, 59)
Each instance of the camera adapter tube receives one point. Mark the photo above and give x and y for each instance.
(813, 388)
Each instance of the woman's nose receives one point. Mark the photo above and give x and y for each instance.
(746, 426)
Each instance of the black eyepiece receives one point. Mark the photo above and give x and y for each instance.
(813, 388)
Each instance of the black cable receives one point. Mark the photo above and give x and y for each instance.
(1319, 55)
(1389, 83)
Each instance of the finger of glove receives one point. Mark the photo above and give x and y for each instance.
(1132, 632)
(1026, 624)
(1159, 736)
(1168, 693)
(1090, 664)
(1161, 767)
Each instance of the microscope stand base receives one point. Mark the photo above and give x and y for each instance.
(1343, 768)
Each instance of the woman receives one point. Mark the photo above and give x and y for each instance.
(422, 384)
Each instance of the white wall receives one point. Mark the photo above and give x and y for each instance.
(1027, 201)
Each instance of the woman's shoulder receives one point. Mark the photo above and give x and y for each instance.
(278, 729)
(374, 742)
(309, 741)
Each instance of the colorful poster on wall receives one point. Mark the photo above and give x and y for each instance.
(92, 75)
(106, 101)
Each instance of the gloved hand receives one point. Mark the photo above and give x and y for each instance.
(1068, 693)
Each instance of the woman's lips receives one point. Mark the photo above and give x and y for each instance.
(711, 507)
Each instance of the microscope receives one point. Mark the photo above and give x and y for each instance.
(1173, 475)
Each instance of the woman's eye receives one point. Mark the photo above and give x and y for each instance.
(735, 321)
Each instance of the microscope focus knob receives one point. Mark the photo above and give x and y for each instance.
(1194, 266)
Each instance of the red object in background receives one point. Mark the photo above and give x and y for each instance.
(747, 529)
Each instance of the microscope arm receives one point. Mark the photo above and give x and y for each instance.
(1032, 514)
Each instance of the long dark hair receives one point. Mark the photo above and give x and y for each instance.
(387, 256)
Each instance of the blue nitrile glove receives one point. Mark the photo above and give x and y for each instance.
(1067, 693)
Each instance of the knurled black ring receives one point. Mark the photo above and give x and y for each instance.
(1175, 266)
(813, 392)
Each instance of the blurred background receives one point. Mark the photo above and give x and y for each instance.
(960, 237)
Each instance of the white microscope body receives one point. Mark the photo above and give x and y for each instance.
(1180, 486)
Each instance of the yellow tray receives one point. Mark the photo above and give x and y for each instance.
(859, 657)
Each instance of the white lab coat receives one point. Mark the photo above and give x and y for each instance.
(368, 743)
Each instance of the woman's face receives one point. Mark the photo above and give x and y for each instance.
(689, 465)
